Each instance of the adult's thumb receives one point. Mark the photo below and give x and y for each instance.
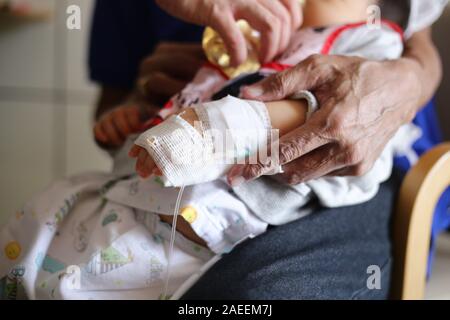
(282, 85)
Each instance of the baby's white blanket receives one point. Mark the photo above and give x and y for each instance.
(70, 242)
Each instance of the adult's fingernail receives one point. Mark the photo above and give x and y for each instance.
(253, 92)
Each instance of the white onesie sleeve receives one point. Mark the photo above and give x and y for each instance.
(423, 14)
(384, 43)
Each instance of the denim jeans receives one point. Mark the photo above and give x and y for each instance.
(326, 255)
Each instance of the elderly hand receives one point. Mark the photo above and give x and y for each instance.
(362, 105)
(274, 19)
(168, 70)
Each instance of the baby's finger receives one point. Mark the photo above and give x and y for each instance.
(111, 131)
(133, 118)
(149, 166)
(121, 122)
(141, 161)
(99, 134)
(134, 151)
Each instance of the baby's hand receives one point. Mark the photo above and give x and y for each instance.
(145, 166)
(115, 126)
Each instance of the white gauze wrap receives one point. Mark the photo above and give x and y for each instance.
(231, 129)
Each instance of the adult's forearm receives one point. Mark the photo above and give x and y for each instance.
(422, 57)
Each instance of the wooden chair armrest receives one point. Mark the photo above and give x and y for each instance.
(419, 194)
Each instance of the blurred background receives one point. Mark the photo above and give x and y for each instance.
(47, 105)
(46, 101)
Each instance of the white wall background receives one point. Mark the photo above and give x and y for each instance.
(46, 104)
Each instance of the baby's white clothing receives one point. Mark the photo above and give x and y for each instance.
(96, 236)
(213, 211)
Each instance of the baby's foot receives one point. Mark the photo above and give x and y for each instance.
(204, 142)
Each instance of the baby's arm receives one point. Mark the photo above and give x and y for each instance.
(285, 115)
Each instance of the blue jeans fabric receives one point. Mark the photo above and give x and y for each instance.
(323, 256)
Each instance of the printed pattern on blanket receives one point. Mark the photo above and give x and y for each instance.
(70, 242)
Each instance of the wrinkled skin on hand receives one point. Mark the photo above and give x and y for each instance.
(362, 105)
(275, 20)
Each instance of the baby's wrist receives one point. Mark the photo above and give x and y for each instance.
(201, 144)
